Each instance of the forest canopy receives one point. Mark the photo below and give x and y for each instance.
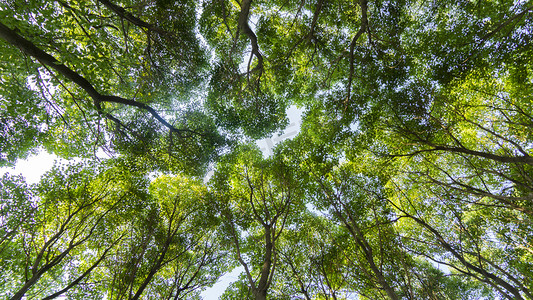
(411, 176)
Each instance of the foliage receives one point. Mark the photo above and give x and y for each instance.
(410, 178)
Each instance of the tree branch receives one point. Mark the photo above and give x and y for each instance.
(245, 28)
(362, 29)
(14, 39)
(526, 159)
(121, 12)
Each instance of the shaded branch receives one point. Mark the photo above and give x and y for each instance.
(311, 32)
(362, 29)
(525, 159)
(245, 28)
(451, 249)
(489, 35)
(14, 39)
(121, 12)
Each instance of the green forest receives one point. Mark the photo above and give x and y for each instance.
(411, 176)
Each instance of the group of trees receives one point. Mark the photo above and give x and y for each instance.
(411, 176)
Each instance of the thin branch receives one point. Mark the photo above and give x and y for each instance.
(362, 29)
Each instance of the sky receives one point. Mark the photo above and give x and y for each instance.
(33, 167)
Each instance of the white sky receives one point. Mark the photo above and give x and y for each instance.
(33, 167)
(295, 120)
(218, 289)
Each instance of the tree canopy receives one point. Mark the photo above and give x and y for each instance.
(411, 176)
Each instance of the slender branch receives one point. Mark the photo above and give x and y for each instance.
(485, 38)
(362, 29)
(478, 269)
(311, 32)
(526, 159)
(121, 12)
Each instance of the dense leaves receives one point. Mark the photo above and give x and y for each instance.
(411, 176)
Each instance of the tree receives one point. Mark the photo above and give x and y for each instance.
(65, 74)
(313, 260)
(475, 164)
(91, 231)
(257, 200)
(411, 177)
(65, 233)
(170, 250)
